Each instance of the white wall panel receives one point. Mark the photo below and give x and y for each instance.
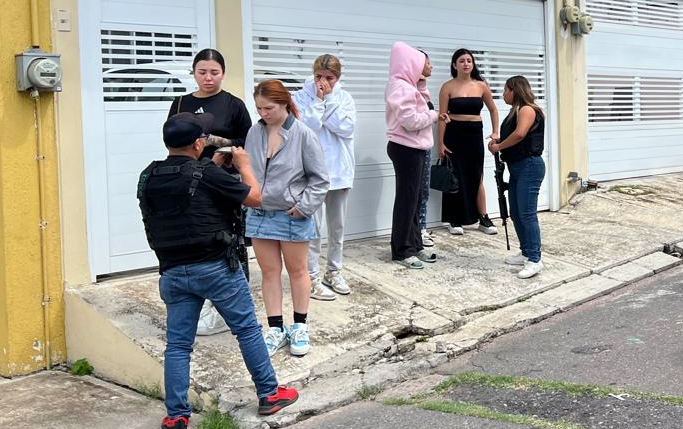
(635, 88)
(506, 36)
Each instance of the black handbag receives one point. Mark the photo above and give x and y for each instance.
(442, 176)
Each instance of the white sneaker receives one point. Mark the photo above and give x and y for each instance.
(275, 339)
(210, 321)
(321, 292)
(455, 230)
(530, 269)
(517, 259)
(427, 240)
(334, 279)
(299, 343)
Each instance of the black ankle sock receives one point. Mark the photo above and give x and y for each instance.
(275, 322)
(300, 317)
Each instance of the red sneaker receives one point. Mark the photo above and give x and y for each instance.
(272, 404)
(175, 422)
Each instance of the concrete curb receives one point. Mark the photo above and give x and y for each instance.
(340, 383)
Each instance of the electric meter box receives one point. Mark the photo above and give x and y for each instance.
(38, 70)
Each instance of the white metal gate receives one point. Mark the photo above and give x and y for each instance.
(635, 88)
(135, 57)
(508, 38)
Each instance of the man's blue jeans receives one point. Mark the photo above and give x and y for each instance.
(183, 289)
(526, 176)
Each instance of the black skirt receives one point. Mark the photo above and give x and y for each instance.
(465, 140)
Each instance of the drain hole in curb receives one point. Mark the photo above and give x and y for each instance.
(407, 332)
(673, 250)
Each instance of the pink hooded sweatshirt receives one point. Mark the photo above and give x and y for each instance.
(409, 120)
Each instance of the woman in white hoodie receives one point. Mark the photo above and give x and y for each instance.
(331, 113)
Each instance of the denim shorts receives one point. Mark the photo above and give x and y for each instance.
(278, 225)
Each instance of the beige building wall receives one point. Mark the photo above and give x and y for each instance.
(572, 105)
(229, 39)
(70, 149)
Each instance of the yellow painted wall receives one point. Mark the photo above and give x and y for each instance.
(71, 153)
(229, 37)
(572, 106)
(22, 339)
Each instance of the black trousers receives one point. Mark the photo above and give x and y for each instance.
(406, 240)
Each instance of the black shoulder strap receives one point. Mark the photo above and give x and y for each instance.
(144, 178)
(198, 173)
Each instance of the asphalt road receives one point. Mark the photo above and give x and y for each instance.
(629, 339)
(632, 338)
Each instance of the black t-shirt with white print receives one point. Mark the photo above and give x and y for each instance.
(231, 117)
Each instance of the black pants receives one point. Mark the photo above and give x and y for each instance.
(406, 239)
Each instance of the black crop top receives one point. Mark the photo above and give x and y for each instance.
(465, 105)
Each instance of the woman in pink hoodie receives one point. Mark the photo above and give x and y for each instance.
(409, 117)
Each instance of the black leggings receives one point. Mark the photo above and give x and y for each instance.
(406, 239)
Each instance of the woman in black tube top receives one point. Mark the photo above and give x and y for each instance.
(461, 139)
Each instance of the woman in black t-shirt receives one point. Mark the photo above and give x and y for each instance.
(521, 146)
(232, 122)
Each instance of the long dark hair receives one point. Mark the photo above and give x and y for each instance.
(474, 74)
(209, 54)
(522, 95)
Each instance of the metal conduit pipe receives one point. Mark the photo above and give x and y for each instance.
(40, 158)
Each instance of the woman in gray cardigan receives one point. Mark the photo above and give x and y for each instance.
(288, 163)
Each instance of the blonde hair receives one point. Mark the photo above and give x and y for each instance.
(328, 62)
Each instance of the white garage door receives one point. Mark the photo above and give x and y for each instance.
(635, 88)
(135, 56)
(508, 38)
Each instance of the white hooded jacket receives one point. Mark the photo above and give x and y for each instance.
(333, 120)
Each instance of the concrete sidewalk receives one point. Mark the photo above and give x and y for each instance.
(398, 323)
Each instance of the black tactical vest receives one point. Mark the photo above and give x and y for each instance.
(174, 213)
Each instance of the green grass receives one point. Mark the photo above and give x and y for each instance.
(523, 383)
(635, 190)
(400, 401)
(367, 392)
(472, 410)
(214, 419)
(82, 367)
(428, 402)
(149, 390)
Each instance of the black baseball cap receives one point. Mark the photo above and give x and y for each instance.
(184, 128)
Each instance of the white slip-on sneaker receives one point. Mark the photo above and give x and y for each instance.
(320, 291)
(530, 269)
(427, 240)
(455, 229)
(517, 259)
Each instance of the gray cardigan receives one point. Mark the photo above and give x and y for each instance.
(296, 175)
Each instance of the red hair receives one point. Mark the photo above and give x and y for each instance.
(276, 92)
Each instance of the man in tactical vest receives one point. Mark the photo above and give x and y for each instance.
(186, 207)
